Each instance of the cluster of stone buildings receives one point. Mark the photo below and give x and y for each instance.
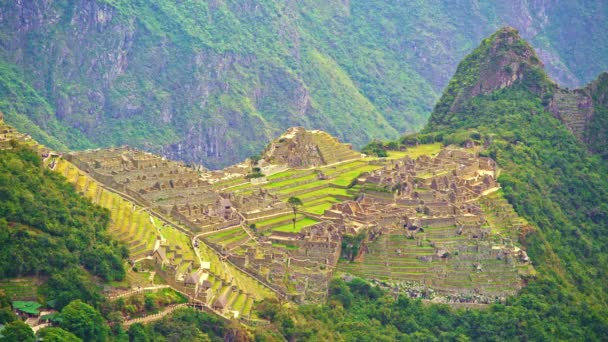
(169, 186)
(402, 196)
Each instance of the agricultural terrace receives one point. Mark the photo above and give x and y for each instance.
(130, 223)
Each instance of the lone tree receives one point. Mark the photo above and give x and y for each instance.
(294, 203)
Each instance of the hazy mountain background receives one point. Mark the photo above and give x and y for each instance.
(213, 81)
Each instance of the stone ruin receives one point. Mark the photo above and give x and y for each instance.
(301, 148)
(431, 226)
(428, 203)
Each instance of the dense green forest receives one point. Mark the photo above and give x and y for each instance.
(50, 231)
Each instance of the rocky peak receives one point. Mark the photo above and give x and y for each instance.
(502, 60)
(506, 60)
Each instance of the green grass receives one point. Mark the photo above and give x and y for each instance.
(290, 181)
(286, 173)
(223, 233)
(277, 219)
(327, 191)
(242, 280)
(416, 151)
(346, 178)
(301, 187)
(318, 209)
(289, 228)
(282, 245)
(176, 237)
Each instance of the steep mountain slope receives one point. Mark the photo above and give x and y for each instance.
(549, 176)
(505, 61)
(213, 82)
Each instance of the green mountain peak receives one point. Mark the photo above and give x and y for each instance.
(502, 60)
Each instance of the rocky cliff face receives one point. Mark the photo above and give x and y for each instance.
(213, 82)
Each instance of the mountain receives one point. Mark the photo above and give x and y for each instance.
(500, 104)
(505, 60)
(212, 82)
(550, 173)
(546, 161)
(501, 101)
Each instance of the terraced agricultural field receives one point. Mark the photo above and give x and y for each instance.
(20, 288)
(229, 238)
(276, 221)
(416, 151)
(223, 270)
(130, 223)
(289, 228)
(471, 265)
(178, 238)
(500, 215)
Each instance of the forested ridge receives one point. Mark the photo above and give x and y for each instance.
(213, 82)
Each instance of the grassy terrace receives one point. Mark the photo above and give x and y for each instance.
(262, 224)
(318, 209)
(228, 237)
(345, 179)
(229, 183)
(284, 246)
(305, 178)
(20, 289)
(129, 223)
(416, 151)
(500, 214)
(385, 263)
(328, 192)
(289, 228)
(224, 233)
(226, 271)
(287, 174)
(178, 238)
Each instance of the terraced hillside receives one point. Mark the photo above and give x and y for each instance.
(466, 249)
(250, 241)
(145, 233)
(130, 223)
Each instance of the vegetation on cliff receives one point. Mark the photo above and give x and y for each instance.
(212, 82)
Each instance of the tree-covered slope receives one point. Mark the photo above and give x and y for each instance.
(48, 230)
(213, 82)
